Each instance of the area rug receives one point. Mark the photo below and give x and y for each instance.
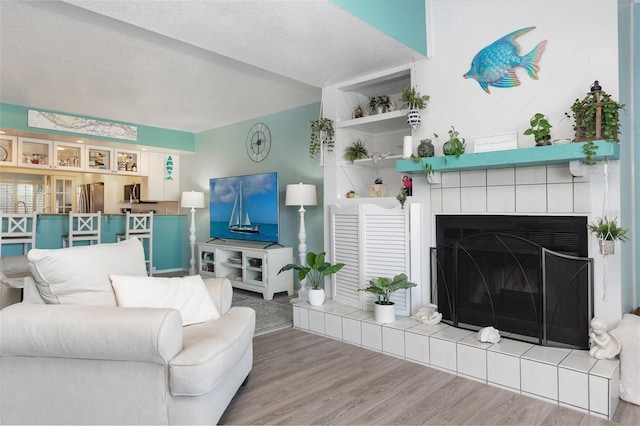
(270, 315)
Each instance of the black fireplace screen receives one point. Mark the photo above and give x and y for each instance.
(521, 288)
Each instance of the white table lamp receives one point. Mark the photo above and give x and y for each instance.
(301, 195)
(193, 200)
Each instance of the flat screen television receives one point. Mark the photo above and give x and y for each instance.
(245, 207)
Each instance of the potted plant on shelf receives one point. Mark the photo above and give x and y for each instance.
(379, 104)
(608, 232)
(540, 130)
(356, 151)
(382, 287)
(455, 145)
(415, 102)
(315, 270)
(322, 133)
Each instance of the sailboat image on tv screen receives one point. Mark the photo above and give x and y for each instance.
(239, 220)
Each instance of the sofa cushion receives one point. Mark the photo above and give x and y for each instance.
(80, 275)
(186, 294)
(13, 269)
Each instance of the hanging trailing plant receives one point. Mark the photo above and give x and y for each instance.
(322, 133)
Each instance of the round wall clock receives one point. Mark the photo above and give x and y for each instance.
(258, 142)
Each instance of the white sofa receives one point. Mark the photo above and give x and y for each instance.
(85, 360)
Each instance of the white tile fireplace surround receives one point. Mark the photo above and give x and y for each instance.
(566, 377)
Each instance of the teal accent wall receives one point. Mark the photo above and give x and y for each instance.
(222, 152)
(636, 137)
(170, 234)
(404, 20)
(15, 117)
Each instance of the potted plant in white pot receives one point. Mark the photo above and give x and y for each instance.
(382, 287)
(608, 232)
(315, 270)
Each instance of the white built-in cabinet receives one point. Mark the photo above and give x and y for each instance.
(249, 266)
(372, 241)
(8, 150)
(163, 177)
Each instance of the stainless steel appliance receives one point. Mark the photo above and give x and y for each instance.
(132, 193)
(91, 198)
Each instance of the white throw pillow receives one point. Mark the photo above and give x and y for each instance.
(188, 295)
(79, 275)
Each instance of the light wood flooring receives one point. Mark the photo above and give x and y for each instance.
(302, 378)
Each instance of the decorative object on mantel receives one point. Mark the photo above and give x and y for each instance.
(426, 148)
(407, 146)
(602, 345)
(540, 130)
(415, 102)
(428, 314)
(489, 335)
(455, 145)
(322, 133)
(596, 117)
(493, 65)
(316, 270)
(382, 287)
(608, 232)
(356, 151)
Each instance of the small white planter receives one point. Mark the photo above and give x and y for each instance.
(384, 313)
(607, 246)
(316, 297)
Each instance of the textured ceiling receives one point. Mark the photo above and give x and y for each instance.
(183, 65)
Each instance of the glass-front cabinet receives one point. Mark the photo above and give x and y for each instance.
(68, 155)
(127, 161)
(34, 153)
(8, 150)
(99, 159)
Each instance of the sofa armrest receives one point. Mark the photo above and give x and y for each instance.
(221, 293)
(91, 332)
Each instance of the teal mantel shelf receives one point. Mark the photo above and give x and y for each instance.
(522, 157)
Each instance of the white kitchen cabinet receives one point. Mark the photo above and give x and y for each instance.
(8, 150)
(100, 159)
(68, 156)
(249, 266)
(34, 153)
(127, 161)
(162, 181)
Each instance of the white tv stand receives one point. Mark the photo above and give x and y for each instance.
(248, 265)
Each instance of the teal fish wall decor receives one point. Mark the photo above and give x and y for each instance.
(495, 64)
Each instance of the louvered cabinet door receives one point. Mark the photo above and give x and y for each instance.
(345, 243)
(371, 241)
(385, 250)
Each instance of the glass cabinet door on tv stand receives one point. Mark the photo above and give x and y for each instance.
(248, 265)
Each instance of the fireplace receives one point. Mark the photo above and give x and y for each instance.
(528, 276)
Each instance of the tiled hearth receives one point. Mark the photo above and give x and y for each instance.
(566, 377)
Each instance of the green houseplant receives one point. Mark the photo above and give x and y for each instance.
(540, 129)
(315, 270)
(322, 133)
(382, 288)
(379, 104)
(455, 145)
(412, 98)
(608, 232)
(356, 151)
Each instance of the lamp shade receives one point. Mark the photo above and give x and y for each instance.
(192, 199)
(301, 194)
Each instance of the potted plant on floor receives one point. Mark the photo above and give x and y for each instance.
(608, 232)
(382, 287)
(415, 102)
(315, 270)
(540, 130)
